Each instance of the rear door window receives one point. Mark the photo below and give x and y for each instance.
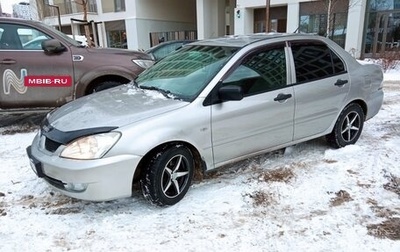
(314, 61)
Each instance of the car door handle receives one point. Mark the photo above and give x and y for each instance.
(282, 97)
(340, 82)
(8, 62)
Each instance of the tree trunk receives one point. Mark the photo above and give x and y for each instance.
(87, 28)
(84, 4)
(85, 11)
(328, 19)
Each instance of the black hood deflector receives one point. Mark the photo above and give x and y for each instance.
(68, 136)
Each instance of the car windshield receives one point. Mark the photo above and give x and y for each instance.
(184, 74)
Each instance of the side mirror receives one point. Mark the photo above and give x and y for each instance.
(53, 46)
(230, 93)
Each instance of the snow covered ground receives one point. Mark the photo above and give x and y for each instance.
(310, 198)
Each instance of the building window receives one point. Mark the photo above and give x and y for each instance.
(113, 5)
(72, 7)
(116, 34)
(314, 19)
(117, 39)
(278, 19)
(119, 5)
(313, 24)
(382, 31)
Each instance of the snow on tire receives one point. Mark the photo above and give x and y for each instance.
(168, 175)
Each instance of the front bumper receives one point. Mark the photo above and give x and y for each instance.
(103, 179)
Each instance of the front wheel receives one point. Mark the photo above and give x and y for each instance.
(168, 175)
(348, 126)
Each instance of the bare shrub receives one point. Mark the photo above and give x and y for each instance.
(330, 161)
(393, 185)
(278, 175)
(66, 210)
(383, 212)
(390, 60)
(389, 229)
(261, 198)
(341, 197)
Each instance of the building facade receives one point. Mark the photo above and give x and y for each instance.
(363, 27)
(129, 24)
(23, 10)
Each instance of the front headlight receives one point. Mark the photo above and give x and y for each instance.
(143, 63)
(91, 147)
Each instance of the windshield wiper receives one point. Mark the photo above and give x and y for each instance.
(166, 93)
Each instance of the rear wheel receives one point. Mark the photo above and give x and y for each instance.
(348, 126)
(168, 175)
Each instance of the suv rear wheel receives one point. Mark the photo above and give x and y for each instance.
(105, 85)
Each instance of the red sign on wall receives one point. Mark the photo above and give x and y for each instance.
(48, 81)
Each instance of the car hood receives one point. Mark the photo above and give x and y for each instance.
(114, 107)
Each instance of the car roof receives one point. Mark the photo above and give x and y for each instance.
(243, 40)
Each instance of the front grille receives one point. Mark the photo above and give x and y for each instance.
(51, 145)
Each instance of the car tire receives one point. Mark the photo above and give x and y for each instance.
(348, 126)
(168, 175)
(105, 85)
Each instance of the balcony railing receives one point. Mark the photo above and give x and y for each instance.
(69, 7)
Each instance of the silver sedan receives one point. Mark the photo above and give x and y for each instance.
(211, 103)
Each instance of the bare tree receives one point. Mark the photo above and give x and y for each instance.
(330, 4)
(326, 18)
(336, 6)
(84, 4)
